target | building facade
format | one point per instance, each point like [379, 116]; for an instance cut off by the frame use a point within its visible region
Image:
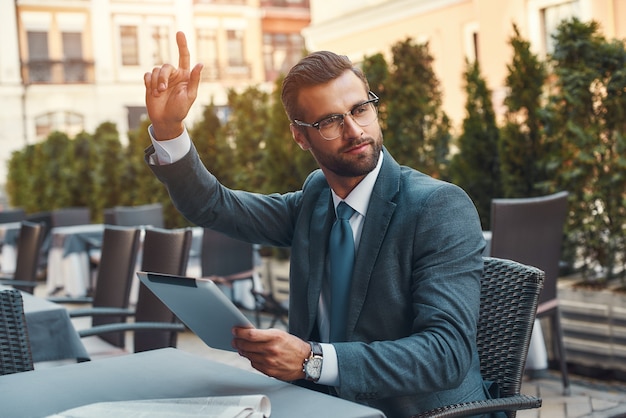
[455, 30]
[70, 65]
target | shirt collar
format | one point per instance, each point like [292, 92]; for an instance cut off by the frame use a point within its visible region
[359, 197]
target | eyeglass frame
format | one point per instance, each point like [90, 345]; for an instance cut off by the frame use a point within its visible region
[374, 101]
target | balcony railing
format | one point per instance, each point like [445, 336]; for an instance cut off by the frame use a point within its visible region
[225, 73]
[285, 3]
[58, 71]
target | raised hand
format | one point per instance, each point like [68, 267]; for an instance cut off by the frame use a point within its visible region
[170, 92]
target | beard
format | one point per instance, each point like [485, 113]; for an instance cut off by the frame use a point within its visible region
[346, 165]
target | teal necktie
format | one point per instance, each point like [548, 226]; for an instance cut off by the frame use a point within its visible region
[341, 247]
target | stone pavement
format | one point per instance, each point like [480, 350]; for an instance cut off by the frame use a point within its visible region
[589, 397]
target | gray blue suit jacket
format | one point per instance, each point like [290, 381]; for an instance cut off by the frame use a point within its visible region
[416, 284]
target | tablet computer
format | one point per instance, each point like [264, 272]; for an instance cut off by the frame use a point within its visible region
[200, 305]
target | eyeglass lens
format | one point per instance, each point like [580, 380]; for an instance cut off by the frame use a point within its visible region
[363, 115]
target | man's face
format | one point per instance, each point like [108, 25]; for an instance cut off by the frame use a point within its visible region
[356, 151]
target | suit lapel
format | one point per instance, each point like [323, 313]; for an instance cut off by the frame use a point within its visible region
[379, 213]
[321, 223]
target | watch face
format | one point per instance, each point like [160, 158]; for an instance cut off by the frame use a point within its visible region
[314, 367]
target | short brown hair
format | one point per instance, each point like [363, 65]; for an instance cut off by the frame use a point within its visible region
[314, 69]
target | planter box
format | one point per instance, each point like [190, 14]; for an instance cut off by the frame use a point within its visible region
[594, 327]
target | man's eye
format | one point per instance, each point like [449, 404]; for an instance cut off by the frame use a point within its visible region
[360, 109]
[330, 121]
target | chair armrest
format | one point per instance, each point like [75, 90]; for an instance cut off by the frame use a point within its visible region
[132, 326]
[511, 403]
[100, 311]
[70, 299]
[266, 300]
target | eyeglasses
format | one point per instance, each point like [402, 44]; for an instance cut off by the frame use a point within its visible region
[331, 127]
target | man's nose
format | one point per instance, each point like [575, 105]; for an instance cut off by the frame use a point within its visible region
[350, 127]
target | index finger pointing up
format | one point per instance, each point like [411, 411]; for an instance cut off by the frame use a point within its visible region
[183, 51]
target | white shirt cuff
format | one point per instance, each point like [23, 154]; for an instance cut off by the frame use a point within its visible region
[330, 369]
[170, 150]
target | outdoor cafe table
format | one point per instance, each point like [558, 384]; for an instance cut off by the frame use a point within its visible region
[159, 374]
[68, 258]
[8, 238]
[50, 331]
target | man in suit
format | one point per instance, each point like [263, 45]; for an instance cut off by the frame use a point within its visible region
[408, 341]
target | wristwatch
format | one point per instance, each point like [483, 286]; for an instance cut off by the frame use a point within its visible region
[312, 366]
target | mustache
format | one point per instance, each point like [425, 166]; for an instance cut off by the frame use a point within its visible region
[358, 143]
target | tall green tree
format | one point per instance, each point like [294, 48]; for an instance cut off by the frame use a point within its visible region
[417, 129]
[20, 179]
[206, 136]
[140, 185]
[245, 134]
[476, 166]
[108, 165]
[285, 165]
[54, 162]
[586, 120]
[523, 152]
[376, 70]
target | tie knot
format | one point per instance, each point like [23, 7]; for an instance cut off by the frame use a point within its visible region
[344, 211]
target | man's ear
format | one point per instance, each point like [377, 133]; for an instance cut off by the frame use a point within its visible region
[299, 137]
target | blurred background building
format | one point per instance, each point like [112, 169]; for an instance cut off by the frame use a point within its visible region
[70, 65]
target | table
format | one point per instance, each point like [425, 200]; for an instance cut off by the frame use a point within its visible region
[50, 331]
[164, 373]
[68, 258]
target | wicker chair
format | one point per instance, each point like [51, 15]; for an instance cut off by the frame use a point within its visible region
[509, 297]
[15, 354]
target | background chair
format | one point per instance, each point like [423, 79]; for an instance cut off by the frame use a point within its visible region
[116, 270]
[228, 262]
[150, 214]
[508, 302]
[71, 216]
[530, 231]
[12, 215]
[15, 353]
[274, 298]
[27, 261]
[155, 326]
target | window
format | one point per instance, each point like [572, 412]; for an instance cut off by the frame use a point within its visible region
[69, 122]
[234, 48]
[39, 65]
[207, 53]
[281, 51]
[160, 39]
[552, 16]
[74, 68]
[129, 45]
[136, 115]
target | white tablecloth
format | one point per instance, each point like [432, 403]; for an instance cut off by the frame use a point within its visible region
[8, 252]
[68, 259]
